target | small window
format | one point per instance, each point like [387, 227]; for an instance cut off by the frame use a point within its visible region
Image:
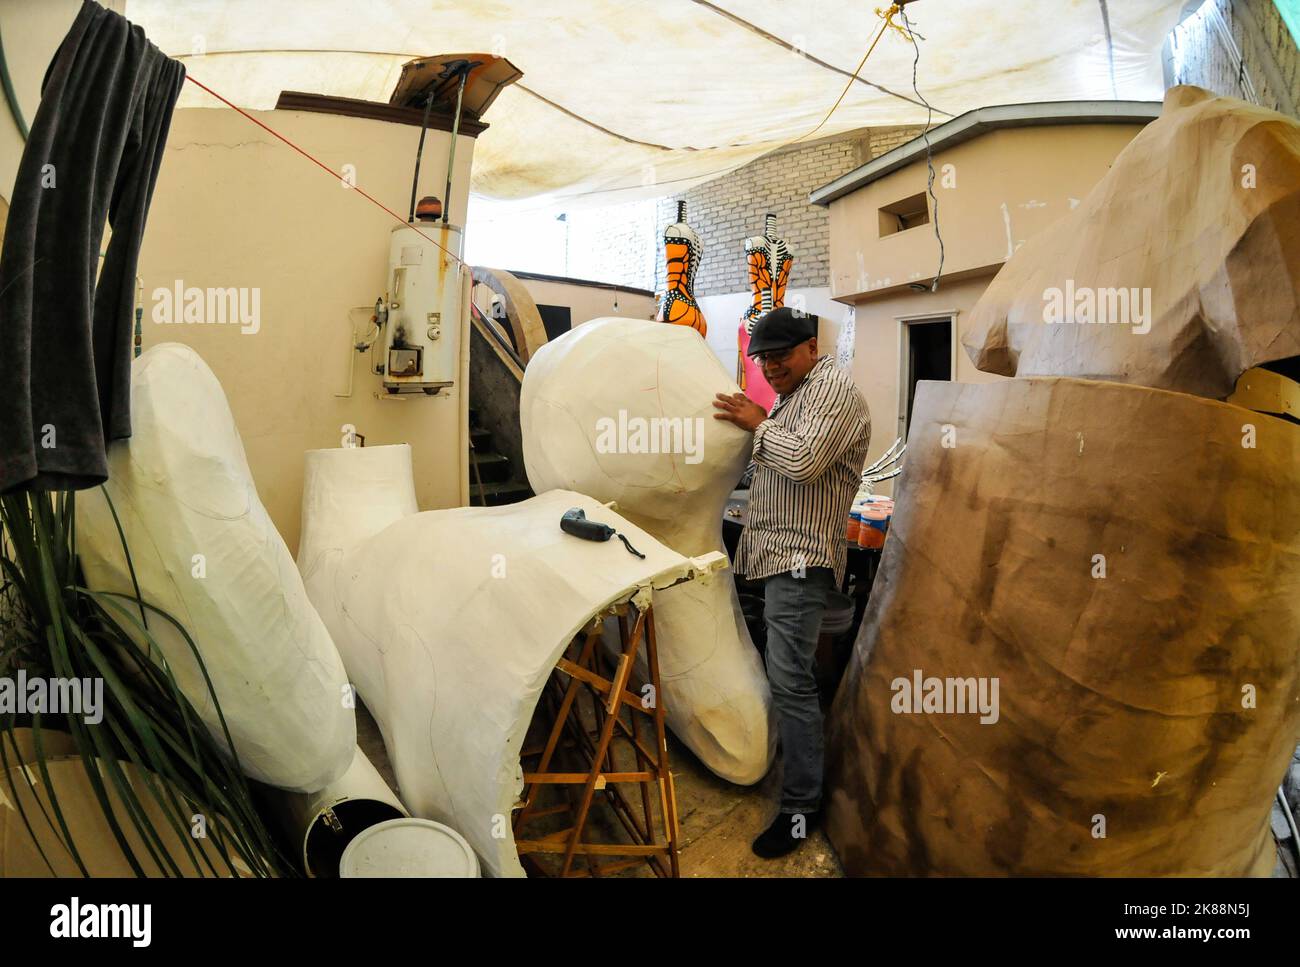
[905, 214]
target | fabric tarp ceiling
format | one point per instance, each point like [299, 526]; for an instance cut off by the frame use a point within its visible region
[635, 99]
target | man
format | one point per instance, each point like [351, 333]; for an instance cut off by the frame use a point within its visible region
[808, 457]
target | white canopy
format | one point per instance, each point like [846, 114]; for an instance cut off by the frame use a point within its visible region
[624, 99]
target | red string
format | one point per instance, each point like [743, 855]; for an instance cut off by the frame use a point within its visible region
[326, 168]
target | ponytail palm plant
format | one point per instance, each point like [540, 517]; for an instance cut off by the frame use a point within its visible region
[150, 755]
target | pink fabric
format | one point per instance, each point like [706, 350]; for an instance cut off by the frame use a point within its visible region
[756, 387]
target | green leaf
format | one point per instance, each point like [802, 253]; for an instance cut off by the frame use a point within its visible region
[152, 763]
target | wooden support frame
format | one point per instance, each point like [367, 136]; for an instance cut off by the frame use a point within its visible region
[616, 721]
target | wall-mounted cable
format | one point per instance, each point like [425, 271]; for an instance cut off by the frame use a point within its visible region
[929, 153]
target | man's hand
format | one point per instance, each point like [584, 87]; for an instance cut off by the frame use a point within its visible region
[739, 409]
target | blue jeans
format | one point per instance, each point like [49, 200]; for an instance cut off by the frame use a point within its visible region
[793, 614]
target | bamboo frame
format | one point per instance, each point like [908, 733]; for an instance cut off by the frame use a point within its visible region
[616, 713]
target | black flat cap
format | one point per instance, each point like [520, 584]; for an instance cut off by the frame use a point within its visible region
[781, 329]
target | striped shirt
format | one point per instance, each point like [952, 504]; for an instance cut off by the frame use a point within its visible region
[808, 457]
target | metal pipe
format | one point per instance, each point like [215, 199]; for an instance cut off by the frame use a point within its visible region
[419, 154]
[462, 419]
[1290, 821]
[455, 130]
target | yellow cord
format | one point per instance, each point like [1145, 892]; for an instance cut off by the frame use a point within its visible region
[888, 17]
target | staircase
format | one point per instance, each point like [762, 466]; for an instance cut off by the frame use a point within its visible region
[496, 374]
[493, 478]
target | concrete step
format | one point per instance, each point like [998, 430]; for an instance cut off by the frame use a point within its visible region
[496, 494]
[491, 467]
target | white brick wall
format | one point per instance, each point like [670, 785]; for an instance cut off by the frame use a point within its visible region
[623, 244]
[1200, 57]
[727, 209]
[618, 244]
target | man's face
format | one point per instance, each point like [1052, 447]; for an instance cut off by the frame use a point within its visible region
[784, 369]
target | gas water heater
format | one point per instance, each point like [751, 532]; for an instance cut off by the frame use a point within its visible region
[422, 338]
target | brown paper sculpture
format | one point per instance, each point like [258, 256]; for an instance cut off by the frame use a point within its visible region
[1081, 652]
[1181, 269]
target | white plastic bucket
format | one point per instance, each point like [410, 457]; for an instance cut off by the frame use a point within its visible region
[414, 848]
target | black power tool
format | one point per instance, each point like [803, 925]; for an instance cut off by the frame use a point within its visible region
[575, 522]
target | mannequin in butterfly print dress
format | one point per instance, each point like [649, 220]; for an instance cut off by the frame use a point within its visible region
[683, 250]
[769, 270]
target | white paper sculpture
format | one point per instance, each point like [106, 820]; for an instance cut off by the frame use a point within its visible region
[349, 495]
[451, 621]
[622, 410]
[205, 551]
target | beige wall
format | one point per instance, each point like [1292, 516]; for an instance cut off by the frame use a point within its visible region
[878, 344]
[32, 30]
[587, 302]
[1010, 184]
[235, 207]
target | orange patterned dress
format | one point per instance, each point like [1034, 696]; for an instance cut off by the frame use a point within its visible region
[682, 249]
[769, 261]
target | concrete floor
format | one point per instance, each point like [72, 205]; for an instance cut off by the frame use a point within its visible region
[717, 819]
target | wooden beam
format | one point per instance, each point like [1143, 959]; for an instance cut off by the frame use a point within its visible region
[352, 107]
[590, 849]
[567, 778]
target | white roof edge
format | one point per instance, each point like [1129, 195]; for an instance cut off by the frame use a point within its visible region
[981, 121]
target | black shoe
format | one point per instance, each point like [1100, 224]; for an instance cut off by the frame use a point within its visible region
[786, 834]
